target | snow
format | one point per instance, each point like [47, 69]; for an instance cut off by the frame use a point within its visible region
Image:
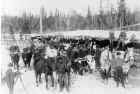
[92, 33]
[95, 33]
[87, 84]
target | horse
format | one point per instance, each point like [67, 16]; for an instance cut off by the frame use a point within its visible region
[50, 65]
[117, 69]
[63, 68]
[120, 73]
[119, 76]
[129, 63]
[15, 56]
[38, 59]
[27, 56]
[120, 67]
[50, 70]
[44, 62]
[39, 66]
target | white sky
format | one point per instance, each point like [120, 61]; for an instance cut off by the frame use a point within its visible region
[17, 7]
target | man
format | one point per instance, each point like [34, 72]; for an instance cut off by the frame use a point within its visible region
[94, 48]
[111, 38]
[130, 53]
[11, 78]
[106, 57]
[121, 40]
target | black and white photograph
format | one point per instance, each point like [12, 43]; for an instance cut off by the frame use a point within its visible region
[70, 47]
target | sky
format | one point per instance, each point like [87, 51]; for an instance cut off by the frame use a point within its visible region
[17, 7]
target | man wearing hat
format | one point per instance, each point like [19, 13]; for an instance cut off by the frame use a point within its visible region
[11, 78]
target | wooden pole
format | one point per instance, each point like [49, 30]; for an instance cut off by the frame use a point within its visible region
[41, 14]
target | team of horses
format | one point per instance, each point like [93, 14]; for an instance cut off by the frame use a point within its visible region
[57, 59]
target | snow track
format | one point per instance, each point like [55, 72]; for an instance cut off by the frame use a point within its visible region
[87, 84]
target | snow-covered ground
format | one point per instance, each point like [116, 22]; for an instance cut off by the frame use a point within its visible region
[91, 33]
[87, 84]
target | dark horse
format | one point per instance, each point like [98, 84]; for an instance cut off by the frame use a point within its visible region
[43, 65]
[63, 66]
[39, 63]
[49, 70]
[27, 55]
[15, 56]
[119, 76]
